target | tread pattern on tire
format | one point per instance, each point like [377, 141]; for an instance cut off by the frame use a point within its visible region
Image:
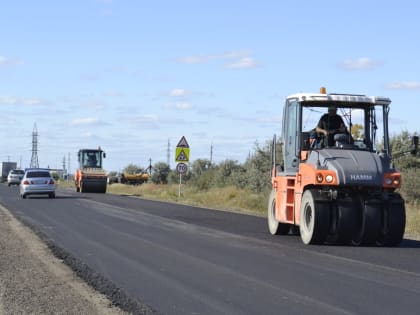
[394, 220]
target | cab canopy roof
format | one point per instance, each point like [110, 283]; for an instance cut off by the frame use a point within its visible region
[346, 99]
[91, 150]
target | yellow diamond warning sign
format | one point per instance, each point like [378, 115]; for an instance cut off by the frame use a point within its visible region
[182, 154]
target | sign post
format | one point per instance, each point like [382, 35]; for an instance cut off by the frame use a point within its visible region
[182, 157]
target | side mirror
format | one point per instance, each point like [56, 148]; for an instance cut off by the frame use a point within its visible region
[104, 155]
[414, 145]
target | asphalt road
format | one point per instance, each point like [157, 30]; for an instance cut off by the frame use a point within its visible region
[187, 260]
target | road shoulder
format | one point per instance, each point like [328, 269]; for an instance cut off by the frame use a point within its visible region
[34, 281]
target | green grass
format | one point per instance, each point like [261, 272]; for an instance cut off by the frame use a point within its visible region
[413, 219]
[228, 198]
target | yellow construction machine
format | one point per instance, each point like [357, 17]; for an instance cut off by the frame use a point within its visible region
[136, 178]
[90, 177]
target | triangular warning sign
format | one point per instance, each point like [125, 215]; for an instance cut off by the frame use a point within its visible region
[183, 143]
[182, 156]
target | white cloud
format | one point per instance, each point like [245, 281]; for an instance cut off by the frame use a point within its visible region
[193, 59]
[243, 63]
[178, 92]
[11, 100]
[32, 101]
[148, 118]
[183, 106]
[84, 121]
[413, 85]
[179, 106]
[86, 135]
[363, 63]
[94, 104]
[242, 57]
[8, 100]
[9, 62]
[142, 119]
[234, 54]
[113, 93]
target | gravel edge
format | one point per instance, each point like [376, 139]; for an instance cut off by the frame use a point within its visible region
[37, 276]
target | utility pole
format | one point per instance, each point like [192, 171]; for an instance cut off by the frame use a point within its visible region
[68, 167]
[211, 153]
[168, 160]
[64, 165]
[150, 166]
[34, 158]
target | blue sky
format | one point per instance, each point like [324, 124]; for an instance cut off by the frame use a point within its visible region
[130, 76]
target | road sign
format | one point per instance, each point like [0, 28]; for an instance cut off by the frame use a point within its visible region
[182, 143]
[182, 154]
[182, 151]
[181, 168]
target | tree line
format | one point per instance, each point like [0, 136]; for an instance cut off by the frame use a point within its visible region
[255, 173]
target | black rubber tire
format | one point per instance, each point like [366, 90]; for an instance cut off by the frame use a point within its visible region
[51, 195]
[393, 222]
[343, 222]
[23, 196]
[314, 219]
[368, 226]
[275, 227]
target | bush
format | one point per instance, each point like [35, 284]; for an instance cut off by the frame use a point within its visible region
[203, 181]
[132, 169]
[410, 189]
[258, 169]
[160, 173]
[224, 173]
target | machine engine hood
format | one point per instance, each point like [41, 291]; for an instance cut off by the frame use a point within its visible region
[354, 167]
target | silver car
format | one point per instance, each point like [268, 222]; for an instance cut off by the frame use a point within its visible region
[15, 176]
[37, 182]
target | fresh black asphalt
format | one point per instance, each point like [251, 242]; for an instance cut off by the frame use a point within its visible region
[155, 257]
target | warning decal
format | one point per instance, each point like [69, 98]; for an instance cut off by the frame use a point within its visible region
[182, 155]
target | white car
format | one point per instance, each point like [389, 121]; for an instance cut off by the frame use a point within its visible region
[37, 182]
[15, 176]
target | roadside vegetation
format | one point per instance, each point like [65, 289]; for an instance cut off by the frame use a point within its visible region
[228, 198]
[409, 166]
[245, 187]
